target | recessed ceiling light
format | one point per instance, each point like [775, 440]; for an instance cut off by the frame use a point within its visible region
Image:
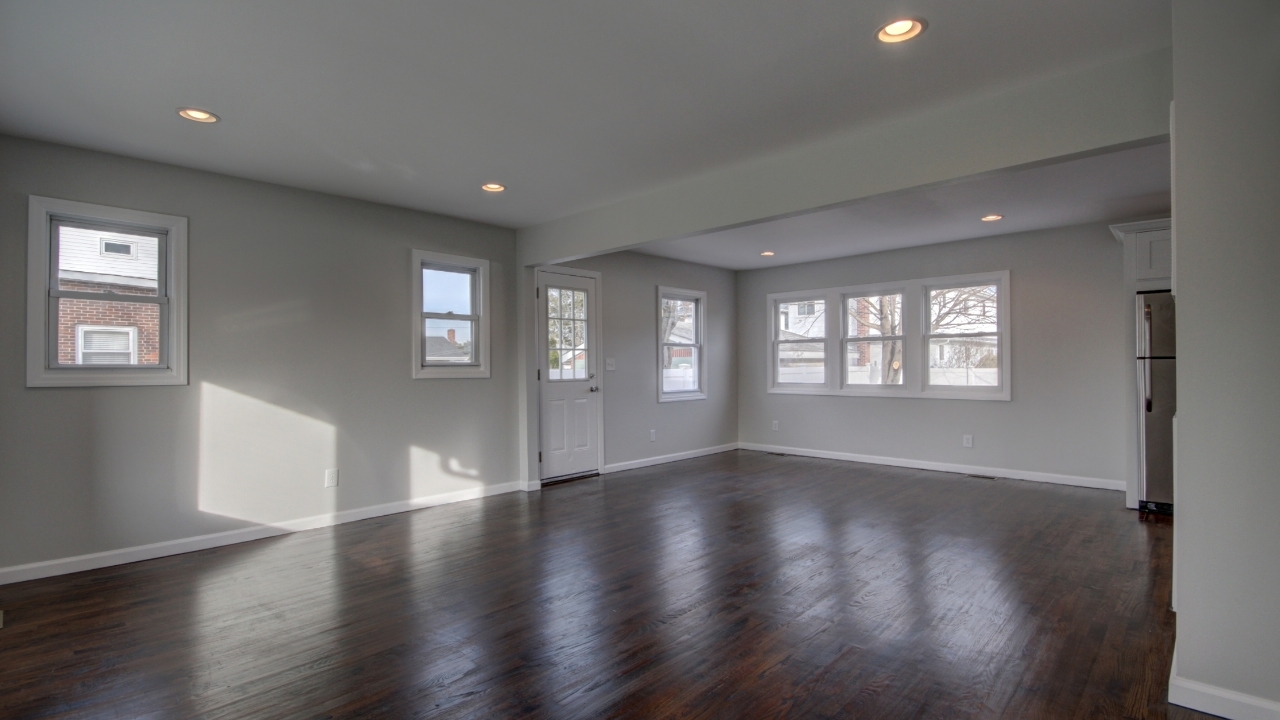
[493, 187]
[203, 116]
[992, 218]
[899, 30]
[767, 253]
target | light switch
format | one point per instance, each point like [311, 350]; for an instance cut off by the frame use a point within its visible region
[609, 365]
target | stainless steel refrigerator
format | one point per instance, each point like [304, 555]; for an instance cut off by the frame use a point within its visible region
[1157, 399]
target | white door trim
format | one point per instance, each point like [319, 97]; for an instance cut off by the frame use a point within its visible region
[596, 306]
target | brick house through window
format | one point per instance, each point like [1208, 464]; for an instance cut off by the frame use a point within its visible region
[92, 260]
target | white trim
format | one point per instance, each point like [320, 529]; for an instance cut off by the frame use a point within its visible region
[699, 344]
[1217, 700]
[1032, 475]
[41, 211]
[915, 342]
[663, 459]
[64, 566]
[480, 369]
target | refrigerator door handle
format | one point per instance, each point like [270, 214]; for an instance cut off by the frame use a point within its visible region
[1146, 382]
[1146, 320]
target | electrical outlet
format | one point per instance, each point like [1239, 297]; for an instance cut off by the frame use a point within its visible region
[775, 424]
[653, 436]
[967, 440]
[609, 364]
[331, 477]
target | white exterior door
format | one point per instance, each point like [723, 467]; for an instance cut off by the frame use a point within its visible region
[569, 389]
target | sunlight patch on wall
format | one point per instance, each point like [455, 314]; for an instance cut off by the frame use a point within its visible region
[260, 462]
[431, 475]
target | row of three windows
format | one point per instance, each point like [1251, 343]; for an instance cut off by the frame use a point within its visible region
[942, 337]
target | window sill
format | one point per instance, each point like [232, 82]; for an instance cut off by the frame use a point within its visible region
[681, 397]
[444, 372]
[115, 377]
[997, 394]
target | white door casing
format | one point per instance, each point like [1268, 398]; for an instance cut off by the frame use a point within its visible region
[568, 373]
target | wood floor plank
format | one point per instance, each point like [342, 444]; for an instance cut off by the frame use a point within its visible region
[737, 585]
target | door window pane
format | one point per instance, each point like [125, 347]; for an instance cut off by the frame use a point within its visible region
[447, 341]
[963, 310]
[876, 315]
[802, 319]
[567, 334]
[679, 369]
[802, 362]
[105, 261]
[971, 361]
[874, 362]
[447, 291]
[77, 317]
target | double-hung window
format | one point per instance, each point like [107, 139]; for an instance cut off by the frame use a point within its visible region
[106, 296]
[451, 325]
[937, 337]
[682, 362]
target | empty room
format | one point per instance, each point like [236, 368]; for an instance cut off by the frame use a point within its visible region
[639, 360]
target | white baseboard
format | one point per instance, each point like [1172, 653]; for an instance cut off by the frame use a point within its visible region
[1218, 701]
[1077, 481]
[63, 566]
[661, 459]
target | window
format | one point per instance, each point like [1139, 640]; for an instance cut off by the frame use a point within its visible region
[567, 333]
[939, 337]
[964, 337]
[106, 296]
[106, 345]
[682, 362]
[800, 360]
[873, 340]
[450, 324]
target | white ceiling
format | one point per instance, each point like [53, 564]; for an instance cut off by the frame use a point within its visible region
[1116, 186]
[570, 103]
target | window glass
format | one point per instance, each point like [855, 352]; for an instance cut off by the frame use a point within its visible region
[679, 321]
[77, 314]
[972, 361]
[873, 362]
[963, 310]
[876, 315]
[446, 291]
[106, 345]
[802, 362]
[104, 261]
[679, 369]
[802, 319]
[447, 341]
[567, 334]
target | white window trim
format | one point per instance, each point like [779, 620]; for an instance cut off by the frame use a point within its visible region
[700, 297]
[914, 344]
[478, 369]
[133, 339]
[42, 371]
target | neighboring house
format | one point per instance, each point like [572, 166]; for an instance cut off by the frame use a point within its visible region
[438, 349]
[102, 331]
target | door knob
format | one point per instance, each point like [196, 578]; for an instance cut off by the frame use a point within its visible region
[593, 388]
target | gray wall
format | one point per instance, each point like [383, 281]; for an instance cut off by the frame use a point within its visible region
[300, 356]
[1227, 493]
[631, 407]
[1072, 411]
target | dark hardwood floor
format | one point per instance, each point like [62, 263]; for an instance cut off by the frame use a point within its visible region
[741, 585]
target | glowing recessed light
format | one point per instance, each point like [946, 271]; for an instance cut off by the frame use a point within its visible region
[493, 187]
[767, 253]
[900, 30]
[992, 218]
[203, 116]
